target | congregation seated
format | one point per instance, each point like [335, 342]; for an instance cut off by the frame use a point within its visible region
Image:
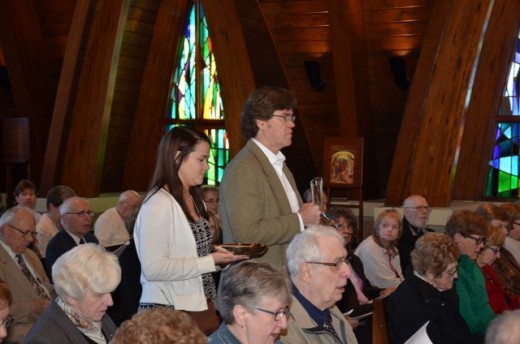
[5, 302]
[49, 224]
[254, 304]
[83, 278]
[76, 221]
[115, 225]
[22, 270]
[379, 253]
[316, 262]
[358, 292]
[427, 295]
[499, 300]
[161, 325]
[469, 232]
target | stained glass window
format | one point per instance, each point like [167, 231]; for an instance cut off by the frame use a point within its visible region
[502, 177]
[195, 95]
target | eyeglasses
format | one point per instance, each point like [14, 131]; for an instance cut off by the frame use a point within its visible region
[83, 213]
[288, 118]
[451, 273]
[8, 321]
[495, 249]
[336, 264]
[277, 315]
[420, 208]
[478, 241]
[27, 234]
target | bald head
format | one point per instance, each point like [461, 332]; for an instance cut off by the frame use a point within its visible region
[18, 228]
[128, 204]
[416, 210]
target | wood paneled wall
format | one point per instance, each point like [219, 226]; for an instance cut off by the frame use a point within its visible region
[94, 78]
[441, 125]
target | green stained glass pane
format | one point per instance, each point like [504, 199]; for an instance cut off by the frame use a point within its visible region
[184, 80]
[503, 173]
[195, 95]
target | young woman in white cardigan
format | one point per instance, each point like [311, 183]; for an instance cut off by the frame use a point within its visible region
[172, 234]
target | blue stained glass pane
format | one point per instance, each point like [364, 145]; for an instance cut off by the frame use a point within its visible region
[195, 94]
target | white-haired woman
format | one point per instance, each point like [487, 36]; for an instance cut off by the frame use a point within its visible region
[83, 278]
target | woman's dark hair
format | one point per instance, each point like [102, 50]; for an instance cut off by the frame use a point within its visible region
[466, 222]
[23, 185]
[174, 147]
[490, 212]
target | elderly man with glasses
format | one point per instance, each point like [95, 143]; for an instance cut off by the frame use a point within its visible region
[76, 222]
[416, 215]
[22, 271]
[316, 261]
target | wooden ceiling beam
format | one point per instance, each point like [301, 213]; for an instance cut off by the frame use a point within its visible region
[86, 142]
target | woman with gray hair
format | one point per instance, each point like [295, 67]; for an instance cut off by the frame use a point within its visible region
[83, 279]
[254, 303]
[427, 295]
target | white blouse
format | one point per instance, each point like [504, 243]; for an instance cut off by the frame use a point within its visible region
[381, 270]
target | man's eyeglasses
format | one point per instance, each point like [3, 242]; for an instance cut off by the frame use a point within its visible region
[8, 321]
[478, 241]
[336, 264]
[277, 315]
[82, 213]
[27, 234]
[288, 118]
[420, 208]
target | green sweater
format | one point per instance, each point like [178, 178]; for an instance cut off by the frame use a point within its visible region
[473, 299]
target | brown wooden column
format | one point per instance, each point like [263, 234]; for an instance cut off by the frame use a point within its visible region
[85, 145]
[434, 121]
[488, 90]
[65, 94]
[149, 120]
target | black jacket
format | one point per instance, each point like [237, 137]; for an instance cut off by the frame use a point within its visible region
[415, 302]
[406, 243]
[349, 299]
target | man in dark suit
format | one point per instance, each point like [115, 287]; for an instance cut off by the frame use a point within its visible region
[76, 221]
[22, 270]
[416, 216]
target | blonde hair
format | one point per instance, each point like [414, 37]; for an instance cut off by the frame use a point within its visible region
[161, 325]
[433, 253]
[495, 237]
[393, 213]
